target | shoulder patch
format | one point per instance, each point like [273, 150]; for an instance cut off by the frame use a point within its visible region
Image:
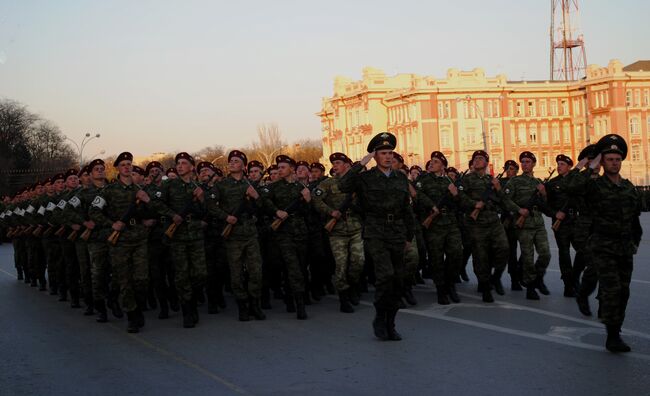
[318, 192]
[99, 202]
[61, 204]
[461, 188]
[158, 194]
[507, 191]
[418, 184]
[41, 210]
[50, 206]
[30, 209]
[74, 201]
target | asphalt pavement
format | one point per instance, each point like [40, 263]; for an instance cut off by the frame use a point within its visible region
[513, 346]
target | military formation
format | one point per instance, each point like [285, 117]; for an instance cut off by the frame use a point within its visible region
[181, 239]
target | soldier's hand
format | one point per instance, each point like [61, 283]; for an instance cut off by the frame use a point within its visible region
[524, 212]
[89, 224]
[75, 227]
[364, 161]
[149, 222]
[177, 219]
[581, 164]
[336, 214]
[198, 193]
[479, 205]
[118, 226]
[231, 220]
[251, 192]
[281, 214]
[435, 211]
[306, 194]
[142, 196]
[560, 215]
[452, 189]
[496, 184]
[541, 189]
[595, 163]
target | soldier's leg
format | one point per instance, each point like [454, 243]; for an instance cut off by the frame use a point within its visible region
[341, 251]
[235, 251]
[81, 247]
[614, 275]
[72, 272]
[514, 268]
[290, 253]
[498, 254]
[211, 280]
[563, 240]
[100, 274]
[480, 255]
[356, 259]
[182, 282]
[157, 275]
[526, 238]
[454, 259]
[543, 257]
[253, 260]
[316, 265]
[435, 242]
[41, 264]
[411, 260]
[139, 276]
[197, 265]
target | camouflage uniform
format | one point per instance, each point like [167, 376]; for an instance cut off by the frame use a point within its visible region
[70, 267]
[53, 248]
[35, 254]
[514, 265]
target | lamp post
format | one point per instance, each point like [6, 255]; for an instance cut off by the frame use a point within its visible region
[468, 99]
[84, 141]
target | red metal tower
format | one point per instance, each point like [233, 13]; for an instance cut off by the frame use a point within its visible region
[568, 57]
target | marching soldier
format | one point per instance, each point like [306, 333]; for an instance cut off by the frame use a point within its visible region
[385, 200]
[511, 168]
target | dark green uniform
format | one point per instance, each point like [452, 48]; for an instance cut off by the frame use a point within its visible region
[514, 265]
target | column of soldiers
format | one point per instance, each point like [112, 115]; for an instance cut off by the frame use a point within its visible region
[167, 239]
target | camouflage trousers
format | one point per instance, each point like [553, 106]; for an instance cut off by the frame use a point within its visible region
[36, 259]
[444, 242]
[584, 264]
[565, 237]
[130, 265]
[188, 257]
[531, 239]
[100, 270]
[411, 261]
[294, 256]
[489, 249]
[161, 273]
[245, 261]
[614, 277]
[388, 260]
[70, 268]
[514, 266]
[54, 259]
[348, 258]
[85, 273]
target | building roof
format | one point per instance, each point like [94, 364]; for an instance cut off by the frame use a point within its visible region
[642, 65]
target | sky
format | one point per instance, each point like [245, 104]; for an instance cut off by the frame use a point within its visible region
[168, 76]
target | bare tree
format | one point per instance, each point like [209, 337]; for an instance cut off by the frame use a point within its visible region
[268, 145]
[48, 146]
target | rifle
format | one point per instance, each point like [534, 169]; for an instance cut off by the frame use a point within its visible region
[10, 232]
[115, 235]
[27, 231]
[228, 228]
[86, 234]
[426, 223]
[73, 236]
[485, 196]
[520, 221]
[173, 226]
[278, 221]
[345, 205]
[38, 231]
[60, 231]
[48, 231]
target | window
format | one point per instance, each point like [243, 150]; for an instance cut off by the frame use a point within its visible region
[520, 110]
[466, 109]
[553, 107]
[556, 133]
[542, 108]
[565, 108]
[646, 97]
[578, 131]
[447, 110]
[511, 108]
[532, 134]
[566, 133]
[522, 134]
[544, 159]
[471, 136]
[441, 110]
[596, 99]
[636, 153]
[628, 98]
[495, 135]
[472, 109]
[597, 127]
[531, 109]
[604, 129]
[637, 97]
[444, 138]
[544, 133]
[634, 126]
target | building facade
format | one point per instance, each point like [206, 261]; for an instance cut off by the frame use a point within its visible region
[468, 110]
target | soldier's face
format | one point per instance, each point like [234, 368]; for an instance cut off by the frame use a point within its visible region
[527, 165]
[479, 163]
[40, 190]
[124, 168]
[49, 188]
[285, 170]
[611, 163]
[316, 174]
[98, 172]
[72, 182]
[184, 167]
[59, 185]
[155, 173]
[274, 175]
[563, 168]
[340, 167]
[235, 165]
[137, 178]
[255, 173]
[396, 165]
[384, 159]
[302, 172]
[414, 174]
[511, 171]
[436, 165]
[85, 179]
[205, 174]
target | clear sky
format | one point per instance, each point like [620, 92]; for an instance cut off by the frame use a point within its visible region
[181, 75]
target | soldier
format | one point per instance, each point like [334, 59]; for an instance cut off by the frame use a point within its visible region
[288, 200]
[480, 198]
[117, 207]
[273, 172]
[438, 197]
[171, 173]
[36, 253]
[616, 234]
[511, 168]
[314, 268]
[181, 200]
[345, 238]
[385, 200]
[234, 202]
[54, 251]
[566, 212]
[526, 199]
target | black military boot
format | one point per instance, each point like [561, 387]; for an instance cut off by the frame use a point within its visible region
[583, 304]
[199, 297]
[164, 308]
[531, 294]
[115, 307]
[569, 287]
[255, 309]
[453, 295]
[188, 319]
[289, 302]
[515, 285]
[301, 313]
[344, 302]
[380, 324]
[409, 297]
[132, 322]
[495, 280]
[354, 296]
[90, 310]
[486, 293]
[441, 291]
[243, 310]
[539, 284]
[54, 289]
[194, 309]
[43, 284]
[463, 274]
[74, 299]
[614, 341]
[102, 315]
[393, 335]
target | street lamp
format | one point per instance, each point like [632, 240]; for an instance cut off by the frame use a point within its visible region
[84, 141]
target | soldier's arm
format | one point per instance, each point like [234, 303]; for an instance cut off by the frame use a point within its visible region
[348, 182]
[97, 210]
[467, 204]
[320, 195]
[509, 194]
[268, 206]
[158, 202]
[576, 180]
[212, 203]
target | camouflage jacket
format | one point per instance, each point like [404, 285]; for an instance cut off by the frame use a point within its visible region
[286, 196]
[385, 202]
[432, 191]
[176, 198]
[472, 189]
[560, 199]
[328, 197]
[616, 209]
[576, 184]
[112, 204]
[150, 213]
[521, 192]
[228, 198]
